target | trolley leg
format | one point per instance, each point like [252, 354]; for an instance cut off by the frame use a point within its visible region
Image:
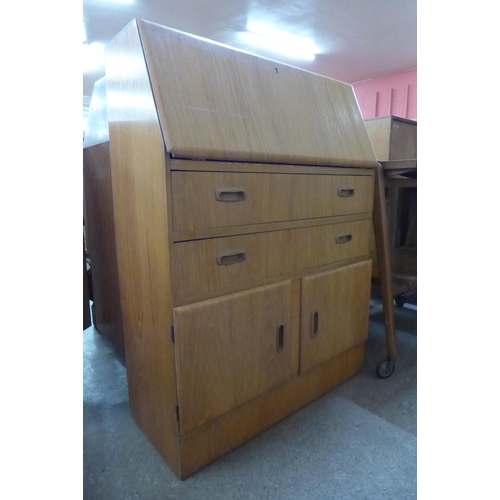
[386, 368]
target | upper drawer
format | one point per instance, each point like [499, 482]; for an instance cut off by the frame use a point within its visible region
[204, 200]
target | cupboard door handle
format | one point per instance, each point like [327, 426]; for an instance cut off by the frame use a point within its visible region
[314, 323]
[343, 238]
[346, 191]
[230, 194]
[280, 337]
[231, 257]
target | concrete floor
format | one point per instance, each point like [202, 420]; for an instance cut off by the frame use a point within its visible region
[356, 442]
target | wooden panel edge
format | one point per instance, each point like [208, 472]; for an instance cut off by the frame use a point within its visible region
[201, 234]
[138, 173]
[188, 164]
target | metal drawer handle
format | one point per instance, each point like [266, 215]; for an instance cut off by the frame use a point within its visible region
[346, 191]
[314, 323]
[231, 257]
[230, 194]
[280, 337]
[343, 238]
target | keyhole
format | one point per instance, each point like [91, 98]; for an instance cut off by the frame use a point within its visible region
[276, 69]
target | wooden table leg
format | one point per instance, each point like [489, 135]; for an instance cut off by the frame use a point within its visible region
[386, 368]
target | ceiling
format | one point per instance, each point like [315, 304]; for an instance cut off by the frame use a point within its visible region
[352, 40]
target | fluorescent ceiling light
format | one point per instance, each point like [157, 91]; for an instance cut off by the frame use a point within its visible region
[122, 2]
[270, 38]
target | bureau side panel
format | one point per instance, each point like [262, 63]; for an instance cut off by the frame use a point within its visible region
[140, 206]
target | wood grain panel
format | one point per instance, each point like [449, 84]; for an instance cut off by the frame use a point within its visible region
[311, 247]
[140, 206]
[340, 299]
[226, 351]
[100, 231]
[403, 140]
[263, 198]
[197, 271]
[267, 255]
[215, 102]
[219, 436]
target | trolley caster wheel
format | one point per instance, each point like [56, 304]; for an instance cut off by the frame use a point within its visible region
[386, 368]
[400, 300]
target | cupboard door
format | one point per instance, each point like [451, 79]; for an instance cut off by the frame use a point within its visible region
[334, 314]
[229, 350]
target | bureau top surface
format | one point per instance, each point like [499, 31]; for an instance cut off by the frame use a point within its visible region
[215, 102]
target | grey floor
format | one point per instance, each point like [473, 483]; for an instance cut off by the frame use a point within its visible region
[357, 441]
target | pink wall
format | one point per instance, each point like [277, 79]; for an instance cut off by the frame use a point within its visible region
[388, 95]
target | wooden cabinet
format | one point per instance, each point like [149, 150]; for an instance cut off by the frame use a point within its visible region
[393, 137]
[242, 195]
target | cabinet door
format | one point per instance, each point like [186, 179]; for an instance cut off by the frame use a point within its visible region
[335, 307]
[229, 350]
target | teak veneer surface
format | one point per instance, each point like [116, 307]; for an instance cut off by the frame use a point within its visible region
[340, 299]
[226, 351]
[270, 254]
[218, 103]
[264, 198]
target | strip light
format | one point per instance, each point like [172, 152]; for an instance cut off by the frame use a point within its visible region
[268, 37]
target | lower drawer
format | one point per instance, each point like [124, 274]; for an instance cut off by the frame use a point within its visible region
[206, 266]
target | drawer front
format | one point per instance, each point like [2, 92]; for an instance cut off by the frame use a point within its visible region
[206, 266]
[229, 350]
[334, 315]
[205, 200]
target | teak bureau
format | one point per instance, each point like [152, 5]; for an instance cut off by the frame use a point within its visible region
[242, 197]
